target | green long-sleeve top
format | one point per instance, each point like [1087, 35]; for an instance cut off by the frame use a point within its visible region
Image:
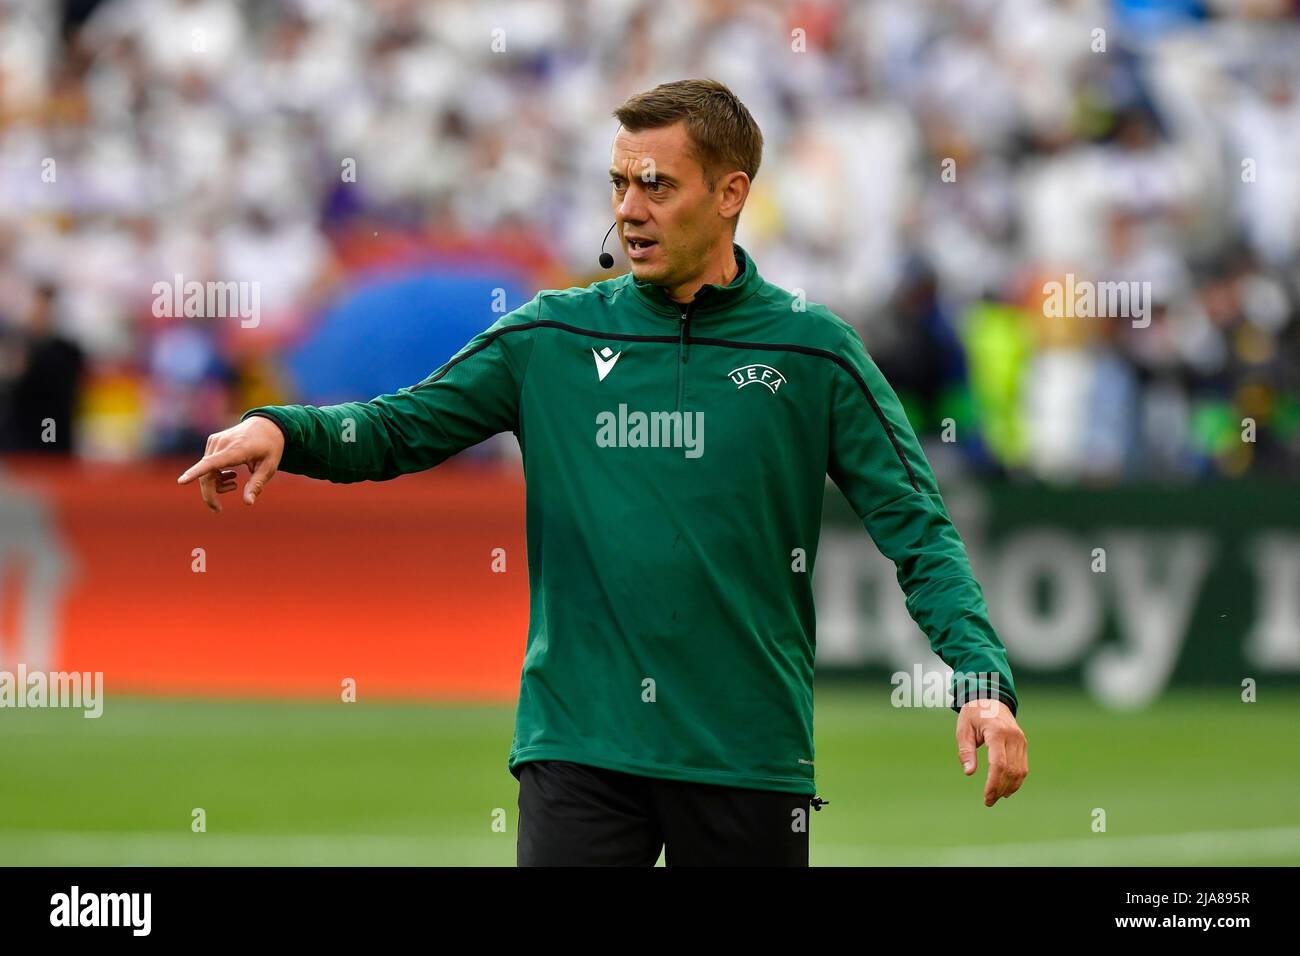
[676, 465]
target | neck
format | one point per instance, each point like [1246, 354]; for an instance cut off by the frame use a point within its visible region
[719, 269]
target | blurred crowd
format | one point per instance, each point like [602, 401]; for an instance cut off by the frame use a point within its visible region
[930, 168]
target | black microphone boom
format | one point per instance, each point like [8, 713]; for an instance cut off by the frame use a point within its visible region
[606, 260]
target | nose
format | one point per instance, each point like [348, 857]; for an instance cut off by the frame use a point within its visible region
[632, 208]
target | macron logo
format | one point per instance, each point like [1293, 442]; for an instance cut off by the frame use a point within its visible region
[604, 363]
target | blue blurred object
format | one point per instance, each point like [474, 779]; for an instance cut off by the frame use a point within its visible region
[393, 330]
[1150, 19]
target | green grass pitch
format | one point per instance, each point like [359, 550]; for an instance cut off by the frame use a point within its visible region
[1199, 778]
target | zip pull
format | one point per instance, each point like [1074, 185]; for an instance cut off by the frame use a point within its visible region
[818, 803]
[686, 338]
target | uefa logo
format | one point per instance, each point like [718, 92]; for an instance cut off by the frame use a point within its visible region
[761, 374]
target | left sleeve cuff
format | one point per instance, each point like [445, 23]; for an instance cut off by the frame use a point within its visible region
[963, 696]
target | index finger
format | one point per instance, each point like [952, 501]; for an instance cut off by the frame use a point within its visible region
[210, 463]
[998, 782]
[1016, 764]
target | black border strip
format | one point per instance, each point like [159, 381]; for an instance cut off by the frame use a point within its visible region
[693, 340]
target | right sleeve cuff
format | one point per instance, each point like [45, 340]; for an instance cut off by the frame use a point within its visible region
[263, 413]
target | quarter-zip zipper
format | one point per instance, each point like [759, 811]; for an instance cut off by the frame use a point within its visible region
[683, 350]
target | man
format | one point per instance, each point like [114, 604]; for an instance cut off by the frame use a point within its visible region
[677, 425]
[42, 392]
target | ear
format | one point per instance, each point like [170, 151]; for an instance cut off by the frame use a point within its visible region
[733, 190]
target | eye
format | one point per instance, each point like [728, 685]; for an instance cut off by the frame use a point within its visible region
[655, 186]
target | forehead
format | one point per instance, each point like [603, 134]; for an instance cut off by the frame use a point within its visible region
[668, 146]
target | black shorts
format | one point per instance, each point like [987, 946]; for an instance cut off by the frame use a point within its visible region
[571, 814]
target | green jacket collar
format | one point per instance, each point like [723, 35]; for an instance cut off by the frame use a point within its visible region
[710, 297]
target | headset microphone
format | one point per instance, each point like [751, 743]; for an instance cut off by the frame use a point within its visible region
[606, 260]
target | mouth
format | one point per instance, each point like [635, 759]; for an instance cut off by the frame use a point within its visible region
[640, 248]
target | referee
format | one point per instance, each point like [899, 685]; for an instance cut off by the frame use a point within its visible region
[677, 425]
